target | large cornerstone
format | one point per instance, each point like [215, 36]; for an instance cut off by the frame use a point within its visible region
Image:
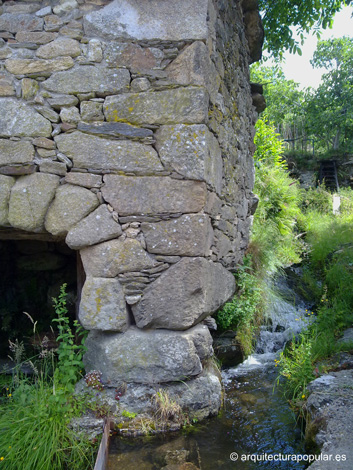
[126, 129]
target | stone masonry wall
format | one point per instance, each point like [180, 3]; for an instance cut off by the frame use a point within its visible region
[126, 128]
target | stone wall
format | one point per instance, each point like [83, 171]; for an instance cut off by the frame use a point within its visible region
[126, 129]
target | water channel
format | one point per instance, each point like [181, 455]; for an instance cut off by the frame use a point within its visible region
[256, 419]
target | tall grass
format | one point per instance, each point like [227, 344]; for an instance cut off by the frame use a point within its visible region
[36, 410]
[35, 432]
[329, 269]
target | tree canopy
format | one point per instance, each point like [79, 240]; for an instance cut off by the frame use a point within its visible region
[324, 114]
[280, 17]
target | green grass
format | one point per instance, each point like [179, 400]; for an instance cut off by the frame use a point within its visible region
[35, 432]
[328, 276]
[36, 411]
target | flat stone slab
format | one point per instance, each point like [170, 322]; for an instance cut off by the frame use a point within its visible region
[87, 78]
[102, 305]
[149, 19]
[184, 295]
[146, 356]
[30, 199]
[114, 257]
[90, 151]
[153, 195]
[12, 152]
[6, 183]
[116, 129]
[19, 119]
[192, 151]
[87, 180]
[71, 204]
[188, 235]
[37, 37]
[37, 66]
[180, 105]
[97, 227]
[14, 22]
[60, 47]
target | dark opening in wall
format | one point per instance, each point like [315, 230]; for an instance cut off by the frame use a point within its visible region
[32, 272]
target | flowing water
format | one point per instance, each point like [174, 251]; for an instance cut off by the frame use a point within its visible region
[255, 420]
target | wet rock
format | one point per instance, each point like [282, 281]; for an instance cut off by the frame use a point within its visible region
[30, 199]
[182, 105]
[153, 195]
[71, 204]
[97, 227]
[183, 296]
[89, 151]
[102, 305]
[227, 349]
[110, 258]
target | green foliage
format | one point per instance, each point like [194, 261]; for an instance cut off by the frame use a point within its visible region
[284, 100]
[273, 234]
[70, 354]
[128, 414]
[317, 199]
[273, 241]
[328, 275]
[35, 417]
[281, 16]
[241, 311]
[329, 108]
[296, 366]
[35, 432]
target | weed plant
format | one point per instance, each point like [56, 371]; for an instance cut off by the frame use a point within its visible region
[36, 411]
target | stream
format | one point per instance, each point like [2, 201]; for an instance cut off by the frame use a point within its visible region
[256, 419]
